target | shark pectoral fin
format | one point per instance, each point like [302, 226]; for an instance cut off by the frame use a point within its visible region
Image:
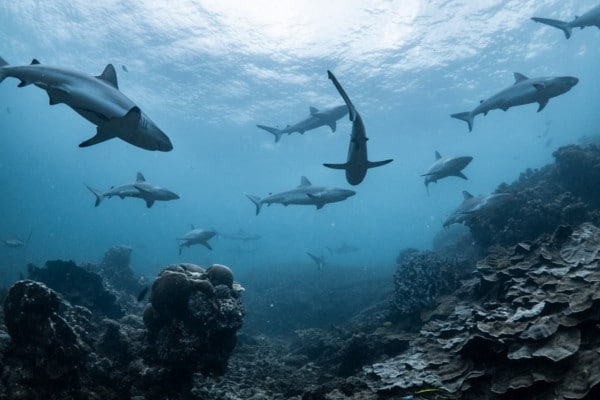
[56, 95]
[102, 135]
[149, 202]
[207, 245]
[333, 126]
[23, 83]
[542, 104]
[461, 175]
[373, 164]
[336, 166]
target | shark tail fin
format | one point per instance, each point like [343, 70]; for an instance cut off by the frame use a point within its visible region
[256, 201]
[563, 26]
[465, 116]
[373, 164]
[274, 131]
[98, 194]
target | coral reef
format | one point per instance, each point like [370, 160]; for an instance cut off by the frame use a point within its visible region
[78, 285]
[566, 192]
[526, 326]
[423, 276]
[192, 318]
[116, 270]
[44, 351]
[58, 350]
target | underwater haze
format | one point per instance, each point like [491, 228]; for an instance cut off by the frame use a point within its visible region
[207, 72]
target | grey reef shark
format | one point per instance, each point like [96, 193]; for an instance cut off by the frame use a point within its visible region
[344, 248]
[473, 206]
[590, 18]
[317, 118]
[15, 243]
[95, 98]
[524, 91]
[444, 167]
[357, 162]
[196, 236]
[305, 194]
[140, 189]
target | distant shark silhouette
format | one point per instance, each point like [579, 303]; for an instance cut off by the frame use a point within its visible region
[15, 243]
[590, 18]
[357, 162]
[141, 189]
[444, 167]
[95, 98]
[317, 118]
[305, 194]
[473, 206]
[523, 91]
[196, 236]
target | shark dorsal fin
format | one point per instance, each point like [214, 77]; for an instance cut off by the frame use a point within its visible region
[437, 155]
[109, 75]
[304, 182]
[34, 62]
[140, 178]
[520, 77]
[192, 226]
[313, 110]
[467, 195]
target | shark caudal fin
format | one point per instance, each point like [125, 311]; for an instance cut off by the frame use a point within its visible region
[3, 63]
[465, 116]
[255, 200]
[274, 131]
[563, 26]
[373, 164]
[98, 194]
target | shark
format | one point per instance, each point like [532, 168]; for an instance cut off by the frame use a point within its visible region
[97, 99]
[305, 194]
[590, 18]
[15, 243]
[473, 206]
[344, 248]
[196, 236]
[140, 189]
[357, 162]
[316, 119]
[444, 167]
[524, 91]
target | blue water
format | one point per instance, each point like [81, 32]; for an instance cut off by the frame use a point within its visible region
[208, 72]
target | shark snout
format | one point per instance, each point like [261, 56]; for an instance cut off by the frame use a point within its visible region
[348, 193]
